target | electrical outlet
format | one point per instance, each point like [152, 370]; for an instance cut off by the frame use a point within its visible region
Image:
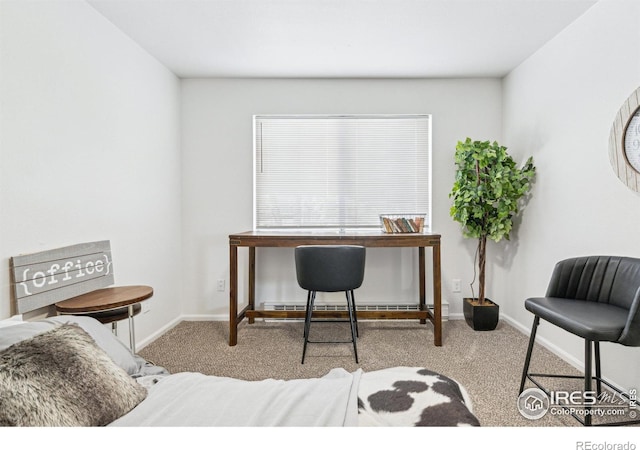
[221, 285]
[456, 285]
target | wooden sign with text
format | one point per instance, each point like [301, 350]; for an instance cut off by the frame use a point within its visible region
[44, 278]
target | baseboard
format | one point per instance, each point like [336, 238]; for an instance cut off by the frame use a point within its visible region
[148, 340]
[545, 343]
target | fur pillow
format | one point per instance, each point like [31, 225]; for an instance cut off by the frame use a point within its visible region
[62, 378]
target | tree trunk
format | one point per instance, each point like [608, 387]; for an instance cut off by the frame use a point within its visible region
[482, 258]
[482, 247]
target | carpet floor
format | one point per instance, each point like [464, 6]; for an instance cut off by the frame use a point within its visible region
[489, 364]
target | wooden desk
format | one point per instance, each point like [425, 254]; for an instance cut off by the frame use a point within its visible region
[253, 239]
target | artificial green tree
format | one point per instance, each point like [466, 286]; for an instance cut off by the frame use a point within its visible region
[487, 194]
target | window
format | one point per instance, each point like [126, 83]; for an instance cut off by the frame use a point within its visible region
[329, 171]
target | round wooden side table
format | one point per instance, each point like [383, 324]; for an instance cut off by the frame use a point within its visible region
[109, 305]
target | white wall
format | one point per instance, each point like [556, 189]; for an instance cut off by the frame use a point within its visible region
[90, 129]
[217, 177]
[90, 149]
[559, 106]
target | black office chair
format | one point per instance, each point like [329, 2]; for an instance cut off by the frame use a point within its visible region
[330, 268]
[598, 299]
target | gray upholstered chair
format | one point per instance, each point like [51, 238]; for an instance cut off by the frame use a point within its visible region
[330, 268]
[596, 298]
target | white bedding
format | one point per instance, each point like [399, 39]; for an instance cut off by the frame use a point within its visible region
[396, 396]
[194, 399]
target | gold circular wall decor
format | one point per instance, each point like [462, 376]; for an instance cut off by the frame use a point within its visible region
[624, 142]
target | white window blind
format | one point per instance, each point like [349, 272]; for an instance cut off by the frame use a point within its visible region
[327, 171]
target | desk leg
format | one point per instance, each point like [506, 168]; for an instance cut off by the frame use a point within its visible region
[421, 277]
[252, 281]
[437, 296]
[233, 295]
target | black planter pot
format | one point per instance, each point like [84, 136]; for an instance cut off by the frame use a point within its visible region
[481, 317]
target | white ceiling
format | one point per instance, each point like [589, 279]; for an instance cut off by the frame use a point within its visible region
[341, 38]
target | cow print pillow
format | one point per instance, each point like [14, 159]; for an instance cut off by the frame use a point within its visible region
[401, 395]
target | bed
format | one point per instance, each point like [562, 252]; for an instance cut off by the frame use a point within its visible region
[72, 371]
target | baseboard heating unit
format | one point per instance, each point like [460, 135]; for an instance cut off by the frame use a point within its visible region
[268, 306]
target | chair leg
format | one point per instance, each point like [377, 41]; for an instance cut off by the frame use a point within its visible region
[307, 322]
[355, 314]
[587, 379]
[591, 351]
[351, 308]
[307, 313]
[596, 348]
[527, 361]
